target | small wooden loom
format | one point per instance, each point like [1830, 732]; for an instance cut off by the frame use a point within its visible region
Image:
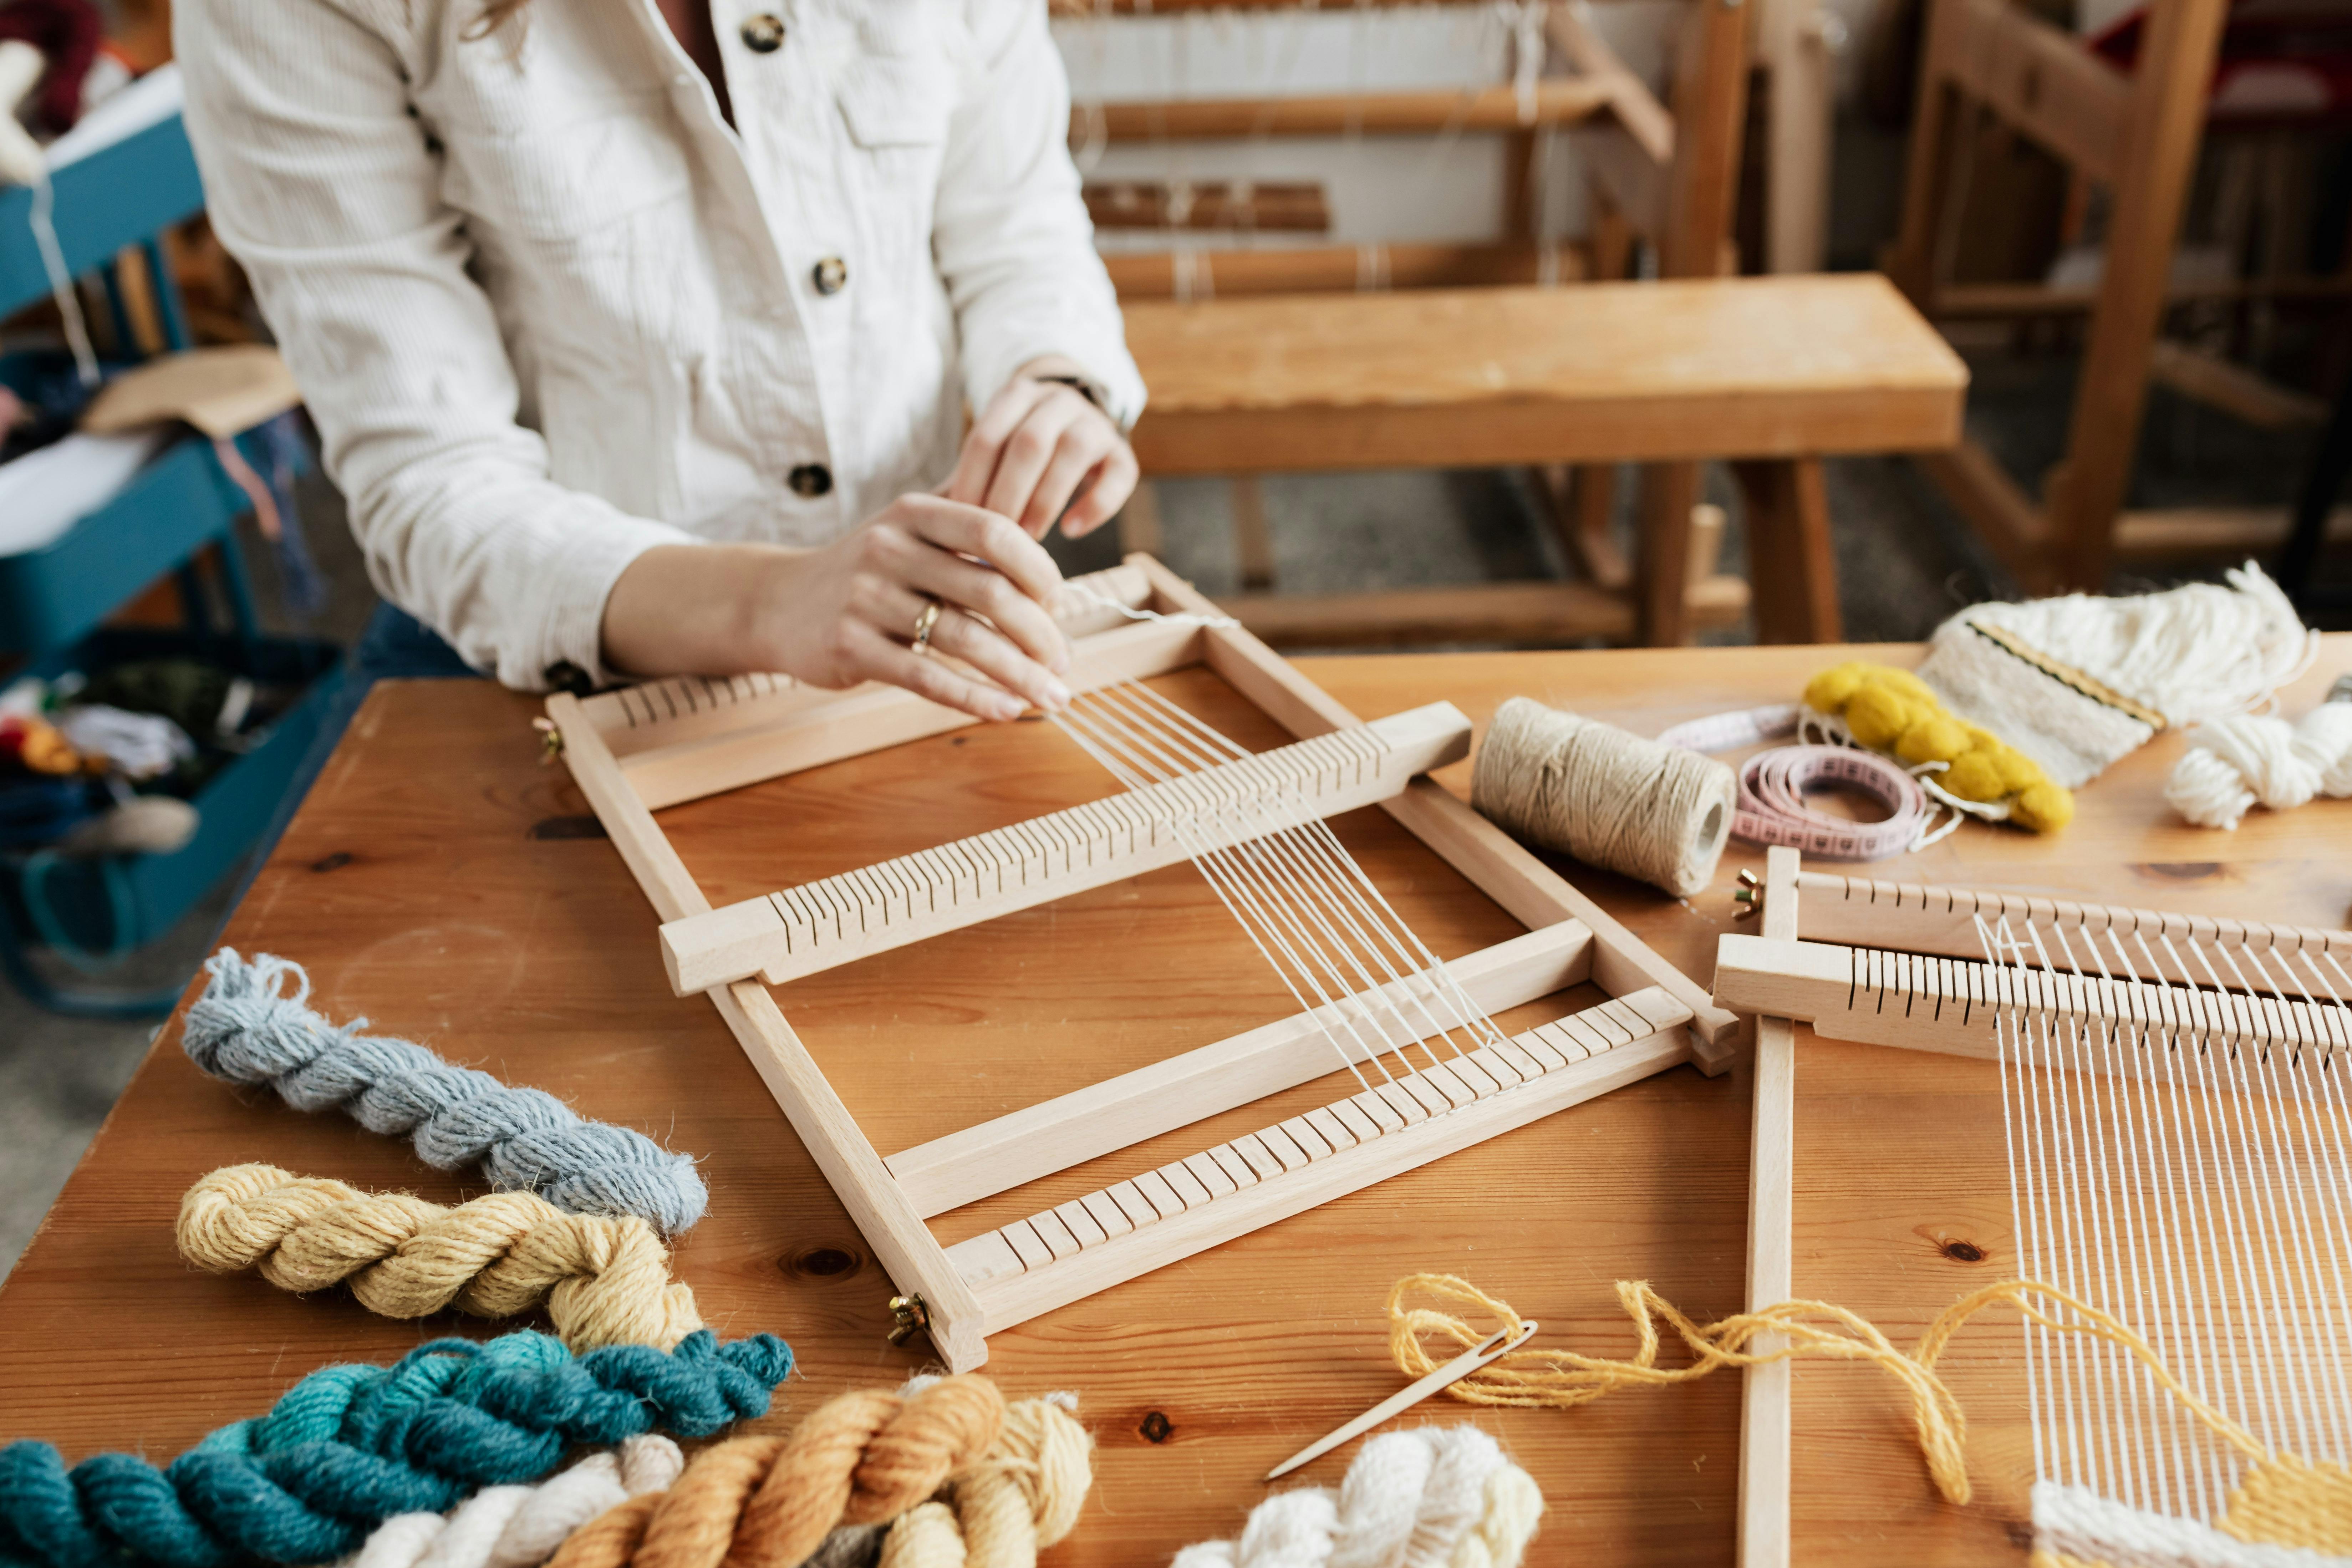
[2179, 1142]
[636, 751]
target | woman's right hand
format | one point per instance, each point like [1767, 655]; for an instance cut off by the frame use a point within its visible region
[849, 611]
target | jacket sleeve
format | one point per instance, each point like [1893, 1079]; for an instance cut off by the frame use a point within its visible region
[323, 185]
[1011, 231]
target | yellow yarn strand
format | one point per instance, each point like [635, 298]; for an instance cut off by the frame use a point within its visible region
[605, 1280]
[1816, 1330]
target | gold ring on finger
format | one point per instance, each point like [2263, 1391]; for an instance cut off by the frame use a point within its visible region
[924, 624]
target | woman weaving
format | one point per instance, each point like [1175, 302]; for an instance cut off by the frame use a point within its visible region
[640, 340]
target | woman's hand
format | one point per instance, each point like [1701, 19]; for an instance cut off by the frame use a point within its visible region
[1040, 447]
[851, 611]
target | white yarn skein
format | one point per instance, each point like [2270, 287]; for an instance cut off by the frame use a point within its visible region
[1436, 1497]
[521, 1527]
[2192, 653]
[2235, 763]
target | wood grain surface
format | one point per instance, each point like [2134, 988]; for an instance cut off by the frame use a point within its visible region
[1710, 367]
[441, 883]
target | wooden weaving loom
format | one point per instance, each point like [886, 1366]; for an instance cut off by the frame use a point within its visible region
[2178, 1132]
[1255, 826]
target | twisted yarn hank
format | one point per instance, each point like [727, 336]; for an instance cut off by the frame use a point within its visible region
[1024, 1495]
[1606, 796]
[769, 1502]
[252, 1026]
[605, 1280]
[521, 1527]
[2236, 763]
[1436, 1497]
[348, 1447]
[1014, 1480]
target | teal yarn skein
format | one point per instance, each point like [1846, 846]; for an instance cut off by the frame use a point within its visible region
[350, 1446]
[253, 1025]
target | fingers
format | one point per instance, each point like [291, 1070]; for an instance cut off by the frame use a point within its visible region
[1016, 596]
[1082, 447]
[880, 659]
[1105, 490]
[954, 581]
[897, 611]
[976, 464]
[1028, 451]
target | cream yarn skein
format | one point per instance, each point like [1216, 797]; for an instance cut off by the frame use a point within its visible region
[1433, 1497]
[1607, 797]
[2235, 763]
[521, 1526]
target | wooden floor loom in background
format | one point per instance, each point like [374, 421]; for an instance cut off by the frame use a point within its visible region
[1367, 988]
[2179, 1145]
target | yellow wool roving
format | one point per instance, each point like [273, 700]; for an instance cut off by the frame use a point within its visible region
[1893, 711]
[605, 1280]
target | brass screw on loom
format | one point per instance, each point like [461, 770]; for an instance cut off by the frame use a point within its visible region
[1748, 896]
[908, 1315]
[550, 740]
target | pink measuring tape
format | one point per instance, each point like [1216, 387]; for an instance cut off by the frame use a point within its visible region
[1772, 785]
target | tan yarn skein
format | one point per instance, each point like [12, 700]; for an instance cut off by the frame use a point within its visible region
[769, 1502]
[605, 1280]
[1024, 1496]
[1608, 797]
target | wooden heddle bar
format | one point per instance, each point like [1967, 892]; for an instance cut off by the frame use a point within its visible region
[1928, 918]
[1951, 1005]
[819, 925]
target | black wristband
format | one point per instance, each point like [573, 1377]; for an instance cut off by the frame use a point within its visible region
[1078, 385]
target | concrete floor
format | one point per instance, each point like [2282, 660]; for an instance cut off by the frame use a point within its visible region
[1905, 559]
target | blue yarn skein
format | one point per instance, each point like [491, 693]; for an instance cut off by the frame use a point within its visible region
[253, 1025]
[350, 1446]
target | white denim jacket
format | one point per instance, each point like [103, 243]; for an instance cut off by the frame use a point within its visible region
[549, 310]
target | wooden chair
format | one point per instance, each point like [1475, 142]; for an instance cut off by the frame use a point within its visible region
[2137, 135]
[1243, 385]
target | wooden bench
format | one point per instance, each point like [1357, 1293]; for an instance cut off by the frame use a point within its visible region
[1771, 373]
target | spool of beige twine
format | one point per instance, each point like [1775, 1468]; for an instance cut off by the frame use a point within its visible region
[1605, 795]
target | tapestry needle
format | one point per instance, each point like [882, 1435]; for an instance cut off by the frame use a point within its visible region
[1489, 1349]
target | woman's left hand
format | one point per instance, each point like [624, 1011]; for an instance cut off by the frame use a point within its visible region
[1040, 451]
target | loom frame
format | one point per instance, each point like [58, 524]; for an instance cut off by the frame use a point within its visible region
[1788, 975]
[635, 750]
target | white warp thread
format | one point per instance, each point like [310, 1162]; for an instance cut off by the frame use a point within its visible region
[2236, 763]
[521, 1527]
[1434, 1497]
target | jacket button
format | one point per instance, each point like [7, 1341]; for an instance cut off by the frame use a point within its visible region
[565, 676]
[764, 33]
[810, 480]
[831, 276]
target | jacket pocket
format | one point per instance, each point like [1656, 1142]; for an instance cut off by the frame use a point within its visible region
[896, 101]
[569, 182]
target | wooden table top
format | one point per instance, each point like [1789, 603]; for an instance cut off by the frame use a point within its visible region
[1745, 367]
[440, 882]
